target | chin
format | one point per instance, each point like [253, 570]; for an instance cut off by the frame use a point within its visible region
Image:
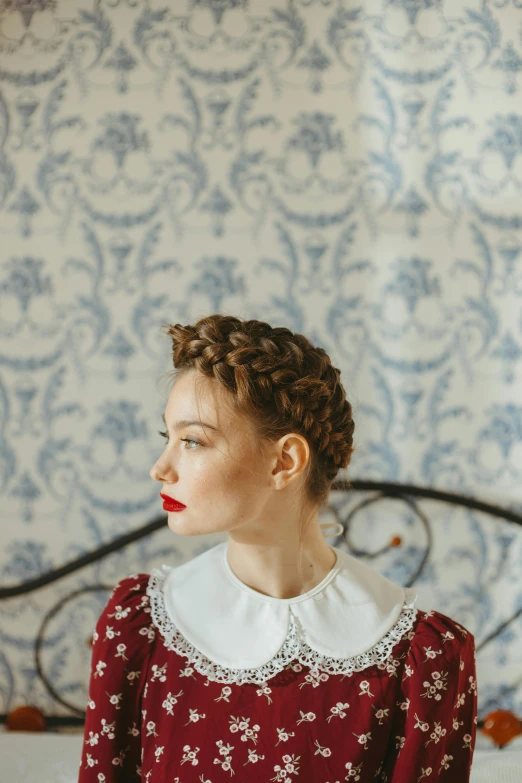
[182, 528]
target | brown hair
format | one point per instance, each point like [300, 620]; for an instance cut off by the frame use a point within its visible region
[279, 382]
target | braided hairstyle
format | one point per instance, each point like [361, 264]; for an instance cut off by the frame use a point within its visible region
[279, 381]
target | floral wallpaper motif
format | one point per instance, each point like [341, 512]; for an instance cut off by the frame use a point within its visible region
[352, 170]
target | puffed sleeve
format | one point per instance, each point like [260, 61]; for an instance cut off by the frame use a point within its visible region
[122, 644]
[436, 711]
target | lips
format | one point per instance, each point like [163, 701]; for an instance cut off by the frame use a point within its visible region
[171, 502]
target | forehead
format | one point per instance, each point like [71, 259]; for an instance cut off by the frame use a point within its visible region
[195, 397]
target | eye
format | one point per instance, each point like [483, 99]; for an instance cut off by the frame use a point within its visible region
[189, 440]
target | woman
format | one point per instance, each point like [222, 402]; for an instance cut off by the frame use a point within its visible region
[272, 656]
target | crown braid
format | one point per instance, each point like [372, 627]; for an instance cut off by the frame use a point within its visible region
[279, 380]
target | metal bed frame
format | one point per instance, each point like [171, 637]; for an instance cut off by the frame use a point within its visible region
[502, 725]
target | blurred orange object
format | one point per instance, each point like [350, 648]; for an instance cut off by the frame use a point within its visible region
[25, 719]
[502, 726]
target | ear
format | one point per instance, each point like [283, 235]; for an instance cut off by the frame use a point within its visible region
[292, 454]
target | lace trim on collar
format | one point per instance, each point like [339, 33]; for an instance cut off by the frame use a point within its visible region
[292, 649]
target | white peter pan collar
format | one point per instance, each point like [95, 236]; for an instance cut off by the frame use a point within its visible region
[232, 633]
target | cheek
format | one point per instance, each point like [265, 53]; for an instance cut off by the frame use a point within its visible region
[225, 482]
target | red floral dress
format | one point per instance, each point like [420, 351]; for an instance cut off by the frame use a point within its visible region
[152, 717]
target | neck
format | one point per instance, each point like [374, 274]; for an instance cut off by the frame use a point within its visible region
[279, 567]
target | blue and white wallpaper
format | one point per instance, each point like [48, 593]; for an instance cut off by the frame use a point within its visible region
[351, 170]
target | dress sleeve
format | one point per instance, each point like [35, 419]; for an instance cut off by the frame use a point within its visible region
[435, 724]
[122, 644]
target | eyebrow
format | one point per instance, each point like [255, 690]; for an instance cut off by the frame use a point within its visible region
[178, 425]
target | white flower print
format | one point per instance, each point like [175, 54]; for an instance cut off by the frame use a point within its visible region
[101, 778]
[159, 751]
[433, 689]
[133, 731]
[225, 693]
[149, 632]
[108, 728]
[170, 701]
[190, 755]
[431, 653]
[315, 678]
[224, 750]
[445, 761]
[391, 666]
[467, 741]
[326, 752]
[362, 739]
[121, 651]
[472, 685]
[408, 671]
[241, 724]
[291, 767]
[403, 705]
[400, 742]
[159, 673]
[91, 704]
[339, 709]
[422, 725]
[306, 716]
[380, 714]
[90, 760]
[425, 773]
[110, 633]
[456, 724]
[118, 760]
[447, 636]
[436, 735]
[194, 716]
[93, 738]
[151, 729]
[253, 757]
[100, 666]
[188, 671]
[116, 698]
[264, 690]
[353, 772]
[119, 613]
[461, 698]
[284, 735]
[133, 676]
[365, 688]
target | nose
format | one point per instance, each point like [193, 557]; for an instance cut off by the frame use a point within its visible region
[159, 471]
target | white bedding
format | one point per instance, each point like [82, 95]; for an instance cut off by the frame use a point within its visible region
[54, 758]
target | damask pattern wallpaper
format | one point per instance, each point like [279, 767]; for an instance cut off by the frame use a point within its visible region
[351, 170]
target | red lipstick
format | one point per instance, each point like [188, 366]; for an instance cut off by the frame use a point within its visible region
[171, 504]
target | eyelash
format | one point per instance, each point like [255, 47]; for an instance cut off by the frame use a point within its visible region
[187, 440]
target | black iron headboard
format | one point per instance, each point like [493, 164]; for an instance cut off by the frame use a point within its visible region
[379, 490]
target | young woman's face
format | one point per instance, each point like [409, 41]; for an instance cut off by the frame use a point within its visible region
[218, 474]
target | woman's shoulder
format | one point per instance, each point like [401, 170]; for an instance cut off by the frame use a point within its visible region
[127, 610]
[432, 625]
[435, 636]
